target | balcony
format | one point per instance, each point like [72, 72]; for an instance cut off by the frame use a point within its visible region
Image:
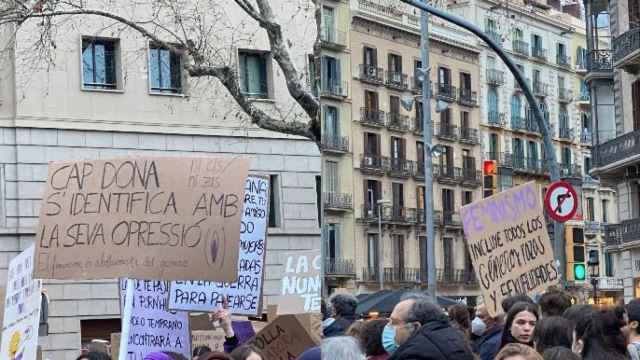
[373, 164]
[612, 235]
[445, 131]
[371, 74]
[495, 77]
[540, 89]
[446, 92]
[337, 201]
[570, 171]
[626, 51]
[339, 267]
[586, 138]
[626, 232]
[335, 144]
[332, 38]
[401, 275]
[449, 276]
[468, 97]
[447, 174]
[584, 98]
[496, 119]
[518, 123]
[620, 148]
[528, 165]
[520, 47]
[471, 177]
[605, 283]
[592, 228]
[419, 170]
[565, 95]
[448, 218]
[539, 53]
[418, 126]
[518, 88]
[401, 168]
[563, 60]
[372, 117]
[497, 38]
[565, 133]
[530, 122]
[600, 61]
[334, 89]
[397, 122]
[397, 81]
[398, 215]
[469, 136]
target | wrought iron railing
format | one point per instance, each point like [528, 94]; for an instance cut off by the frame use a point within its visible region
[335, 143]
[469, 135]
[371, 73]
[333, 200]
[495, 77]
[372, 117]
[373, 163]
[398, 122]
[333, 36]
[401, 274]
[446, 92]
[619, 148]
[495, 118]
[446, 131]
[468, 97]
[626, 44]
[539, 53]
[339, 266]
[521, 47]
[563, 60]
[401, 167]
[334, 88]
[540, 89]
[397, 80]
[565, 133]
[600, 61]
[565, 95]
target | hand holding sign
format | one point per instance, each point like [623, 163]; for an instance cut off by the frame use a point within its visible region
[223, 318]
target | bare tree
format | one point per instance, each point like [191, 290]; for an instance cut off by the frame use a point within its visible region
[192, 27]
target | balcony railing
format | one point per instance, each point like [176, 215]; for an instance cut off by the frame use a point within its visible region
[540, 89]
[518, 123]
[600, 61]
[398, 122]
[339, 201]
[398, 215]
[469, 135]
[630, 230]
[371, 74]
[570, 170]
[592, 228]
[521, 47]
[531, 123]
[586, 138]
[565, 133]
[563, 60]
[456, 277]
[609, 283]
[446, 131]
[334, 89]
[539, 53]
[471, 177]
[401, 275]
[495, 118]
[529, 165]
[494, 36]
[619, 148]
[612, 235]
[339, 266]
[339, 144]
[373, 164]
[447, 218]
[495, 77]
[468, 97]
[626, 44]
[446, 92]
[402, 168]
[397, 80]
[419, 170]
[565, 95]
[372, 117]
[447, 174]
[333, 37]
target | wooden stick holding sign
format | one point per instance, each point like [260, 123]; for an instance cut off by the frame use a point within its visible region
[509, 245]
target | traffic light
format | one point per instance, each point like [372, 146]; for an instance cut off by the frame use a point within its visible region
[576, 267]
[490, 177]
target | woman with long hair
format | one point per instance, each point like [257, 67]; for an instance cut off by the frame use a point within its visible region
[520, 324]
[603, 338]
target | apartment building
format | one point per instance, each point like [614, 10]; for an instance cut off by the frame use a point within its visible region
[387, 171]
[614, 74]
[112, 93]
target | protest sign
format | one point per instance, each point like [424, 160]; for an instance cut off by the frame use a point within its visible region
[214, 339]
[153, 327]
[22, 309]
[284, 338]
[509, 245]
[245, 295]
[145, 217]
[302, 278]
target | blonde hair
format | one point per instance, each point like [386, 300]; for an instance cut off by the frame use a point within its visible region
[515, 349]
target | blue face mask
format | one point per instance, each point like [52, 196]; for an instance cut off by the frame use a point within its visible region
[389, 339]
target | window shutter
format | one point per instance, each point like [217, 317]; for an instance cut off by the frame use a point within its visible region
[263, 74]
[338, 241]
[338, 78]
[366, 198]
[374, 57]
[176, 71]
[635, 91]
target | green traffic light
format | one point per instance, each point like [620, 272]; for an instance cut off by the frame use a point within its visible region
[579, 272]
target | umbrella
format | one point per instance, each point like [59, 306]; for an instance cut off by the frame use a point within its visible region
[384, 301]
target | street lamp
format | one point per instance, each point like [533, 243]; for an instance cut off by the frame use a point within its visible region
[379, 203]
[594, 272]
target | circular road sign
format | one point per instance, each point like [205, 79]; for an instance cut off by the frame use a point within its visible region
[561, 201]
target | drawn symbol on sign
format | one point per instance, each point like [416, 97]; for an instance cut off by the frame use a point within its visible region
[561, 201]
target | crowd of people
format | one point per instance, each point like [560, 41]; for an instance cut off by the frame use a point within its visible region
[551, 328]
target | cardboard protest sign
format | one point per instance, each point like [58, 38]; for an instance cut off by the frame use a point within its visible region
[153, 327]
[245, 295]
[302, 278]
[284, 338]
[22, 309]
[214, 339]
[509, 245]
[145, 217]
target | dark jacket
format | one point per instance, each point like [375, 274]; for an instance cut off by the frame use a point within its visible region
[436, 340]
[338, 327]
[487, 346]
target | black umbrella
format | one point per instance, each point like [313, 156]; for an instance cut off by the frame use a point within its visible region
[384, 301]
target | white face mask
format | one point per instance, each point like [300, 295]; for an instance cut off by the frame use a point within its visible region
[478, 327]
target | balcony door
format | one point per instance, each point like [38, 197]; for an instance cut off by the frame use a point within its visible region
[371, 144]
[330, 72]
[395, 65]
[398, 148]
[394, 104]
[465, 83]
[446, 159]
[372, 192]
[448, 204]
[398, 254]
[331, 128]
[372, 254]
[398, 199]
[444, 78]
[332, 242]
[370, 57]
[420, 155]
[447, 254]
[332, 181]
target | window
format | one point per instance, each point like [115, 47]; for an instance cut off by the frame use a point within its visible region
[165, 70]
[536, 77]
[465, 83]
[561, 83]
[394, 104]
[446, 159]
[590, 209]
[448, 201]
[518, 153]
[274, 201]
[506, 178]
[533, 151]
[516, 111]
[370, 100]
[417, 73]
[372, 249]
[419, 120]
[467, 197]
[536, 42]
[608, 264]
[99, 59]
[253, 74]
[605, 211]
[370, 57]
[398, 148]
[332, 241]
[562, 54]
[581, 57]
[398, 197]
[420, 155]
[464, 120]
[587, 165]
[564, 117]
[634, 14]
[398, 252]
[395, 64]
[493, 147]
[420, 198]
[447, 247]
[444, 76]
[331, 125]
[372, 193]
[566, 156]
[331, 170]
[319, 199]
[328, 24]
[518, 35]
[371, 144]
[491, 26]
[330, 78]
[492, 100]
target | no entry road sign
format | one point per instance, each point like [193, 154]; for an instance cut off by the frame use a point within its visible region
[561, 201]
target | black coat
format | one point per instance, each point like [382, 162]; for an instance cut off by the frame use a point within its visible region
[338, 327]
[436, 340]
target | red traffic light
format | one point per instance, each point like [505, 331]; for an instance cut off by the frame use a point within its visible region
[490, 167]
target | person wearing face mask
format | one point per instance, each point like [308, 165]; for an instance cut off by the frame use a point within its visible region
[489, 330]
[420, 330]
[520, 324]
